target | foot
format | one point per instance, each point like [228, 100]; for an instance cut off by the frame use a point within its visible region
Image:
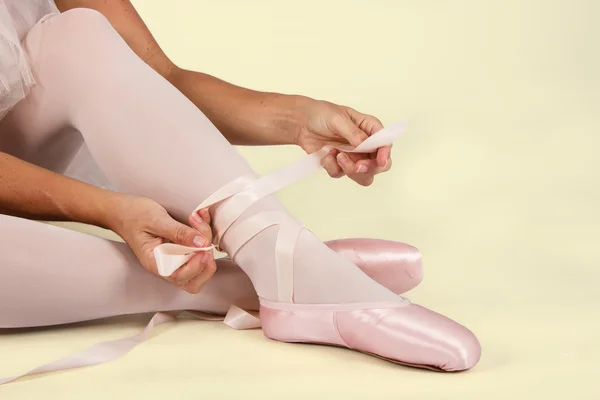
[309, 294]
[394, 265]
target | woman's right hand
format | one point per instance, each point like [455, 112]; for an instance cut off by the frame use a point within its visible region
[144, 224]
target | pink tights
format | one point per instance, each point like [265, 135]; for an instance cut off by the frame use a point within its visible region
[148, 140]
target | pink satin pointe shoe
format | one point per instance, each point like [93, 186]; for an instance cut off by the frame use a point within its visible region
[398, 331]
[394, 265]
[403, 333]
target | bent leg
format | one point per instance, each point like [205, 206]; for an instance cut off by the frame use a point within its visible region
[51, 275]
[150, 140]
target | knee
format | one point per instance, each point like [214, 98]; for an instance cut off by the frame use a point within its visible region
[81, 20]
[79, 35]
[78, 29]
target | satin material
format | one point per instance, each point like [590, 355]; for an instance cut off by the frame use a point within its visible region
[395, 265]
[171, 255]
[398, 331]
[351, 325]
[404, 333]
[70, 95]
[242, 192]
[100, 352]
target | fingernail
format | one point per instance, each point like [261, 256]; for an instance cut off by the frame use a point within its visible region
[342, 159]
[196, 217]
[199, 241]
[205, 258]
[361, 169]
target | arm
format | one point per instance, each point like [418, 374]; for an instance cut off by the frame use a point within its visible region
[249, 117]
[32, 192]
[243, 116]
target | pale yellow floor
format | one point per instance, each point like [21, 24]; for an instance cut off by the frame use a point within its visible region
[496, 181]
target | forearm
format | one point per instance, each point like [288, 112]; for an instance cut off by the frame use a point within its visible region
[244, 116]
[32, 192]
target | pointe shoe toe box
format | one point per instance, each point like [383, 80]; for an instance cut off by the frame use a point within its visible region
[412, 335]
[406, 334]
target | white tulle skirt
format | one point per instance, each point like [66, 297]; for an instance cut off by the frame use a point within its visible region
[17, 17]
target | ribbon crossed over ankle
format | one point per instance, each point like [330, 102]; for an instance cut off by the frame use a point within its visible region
[169, 256]
[242, 193]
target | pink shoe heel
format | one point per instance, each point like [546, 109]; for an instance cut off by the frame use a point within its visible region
[398, 331]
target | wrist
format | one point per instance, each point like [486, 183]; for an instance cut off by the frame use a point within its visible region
[283, 117]
[111, 210]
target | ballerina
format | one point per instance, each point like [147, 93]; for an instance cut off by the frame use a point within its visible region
[158, 157]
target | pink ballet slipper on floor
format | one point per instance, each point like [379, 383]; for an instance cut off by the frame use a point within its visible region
[396, 265]
[398, 331]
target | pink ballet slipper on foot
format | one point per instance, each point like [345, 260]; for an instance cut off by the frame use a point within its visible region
[396, 330]
[394, 265]
[406, 334]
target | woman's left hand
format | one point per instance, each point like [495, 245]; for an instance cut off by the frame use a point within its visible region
[322, 123]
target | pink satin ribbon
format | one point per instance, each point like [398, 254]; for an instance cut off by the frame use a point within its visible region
[103, 352]
[99, 353]
[171, 256]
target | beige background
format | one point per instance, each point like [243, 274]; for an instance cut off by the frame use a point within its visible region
[496, 181]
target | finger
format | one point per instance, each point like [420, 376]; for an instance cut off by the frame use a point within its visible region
[366, 180]
[346, 163]
[387, 166]
[195, 285]
[362, 179]
[181, 234]
[349, 168]
[205, 214]
[371, 164]
[346, 128]
[190, 269]
[368, 123]
[371, 167]
[199, 224]
[383, 155]
[332, 167]
[366, 166]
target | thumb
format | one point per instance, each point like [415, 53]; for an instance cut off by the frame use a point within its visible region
[346, 128]
[179, 233]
